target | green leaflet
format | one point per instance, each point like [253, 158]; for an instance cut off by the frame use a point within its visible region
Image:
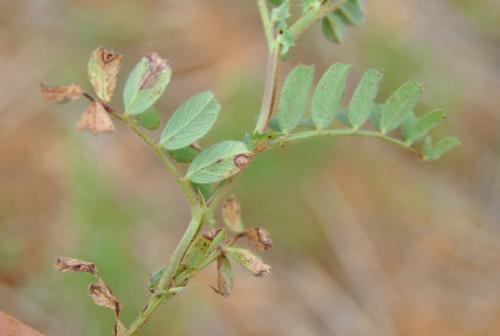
[149, 120]
[352, 12]
[275, 2]
[328, 95]
[191, 121]
[217, 162]
[431, 153]
[333, 28]
[197, 253]
[399, 104]
[362, 101]
[146, 84]
[294, 97]
[280, 13]
[185, 154]
[420, 127]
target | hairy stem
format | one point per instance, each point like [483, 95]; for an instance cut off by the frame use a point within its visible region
[189, 193]
[266, 22]
[161, 292]
[270, 90]
[313, 16]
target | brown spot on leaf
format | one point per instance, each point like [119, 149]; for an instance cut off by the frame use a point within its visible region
[157, 65]
[60, 94]
[96, 119]
[65, 264]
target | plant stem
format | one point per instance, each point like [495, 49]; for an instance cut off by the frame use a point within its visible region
[266, 22]
[161, 292]
[270, 89]
[312, 16]
[189, 193]
[338, 132]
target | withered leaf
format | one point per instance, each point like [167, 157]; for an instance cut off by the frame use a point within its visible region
[224, 276]
[9, 326]
[259, 237]
[249, 261]
[66, 264]
[60, 94]
[102, 296]
[103, 69]
[231, 214]
[146, 84]
[96, 119]
[157, 66]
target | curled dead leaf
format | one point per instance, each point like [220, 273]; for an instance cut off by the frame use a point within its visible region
[157, 66]
[224, 276]
[231, 214]
[66, 264]
[249, 261]
[259, 237]
[96, 119]
[102, 296]
[60, 94]
[104, 66]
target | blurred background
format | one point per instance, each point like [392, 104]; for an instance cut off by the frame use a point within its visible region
[367, 240]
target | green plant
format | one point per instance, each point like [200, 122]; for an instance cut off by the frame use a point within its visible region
[281, 121]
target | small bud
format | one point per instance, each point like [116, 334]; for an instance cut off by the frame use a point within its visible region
[241, 161]
[102, 296]
[249, 261]
[231, 214]
[260, 238]
[96, 119]
[65, 264]
[224, 276]
[103, 69]
[60, 94]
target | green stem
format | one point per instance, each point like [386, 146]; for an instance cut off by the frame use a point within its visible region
[313, 16]
[189, 193]
[266, 22]
[161, 292]
[339, 132]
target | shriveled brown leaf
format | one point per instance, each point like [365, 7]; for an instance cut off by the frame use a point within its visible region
[231, 214]
[9, 326]
[66, 264]
[104, 66]
[224, 277]
[96, 119]
[102, 296]
[156, 66]
[259, 237]
[60, 94]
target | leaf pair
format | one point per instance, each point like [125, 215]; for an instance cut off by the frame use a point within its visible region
[349, 14]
